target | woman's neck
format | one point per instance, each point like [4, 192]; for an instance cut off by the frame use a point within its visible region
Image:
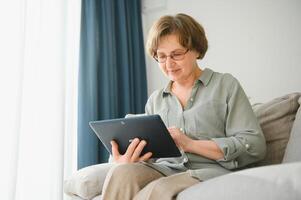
[189, 82]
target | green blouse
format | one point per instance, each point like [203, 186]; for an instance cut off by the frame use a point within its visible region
[217, 110]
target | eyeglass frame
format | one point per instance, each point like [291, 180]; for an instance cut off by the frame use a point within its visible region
[171, 56]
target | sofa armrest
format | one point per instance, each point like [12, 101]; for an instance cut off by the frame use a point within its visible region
[275, 182]
[87, 182]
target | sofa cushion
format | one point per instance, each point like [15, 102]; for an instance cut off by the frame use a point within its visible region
[275, 182]
[293, 150]
[87, 182]
[276, 119]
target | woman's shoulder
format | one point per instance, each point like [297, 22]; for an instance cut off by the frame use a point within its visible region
[226, 79]
[155, 100]
[157, 94]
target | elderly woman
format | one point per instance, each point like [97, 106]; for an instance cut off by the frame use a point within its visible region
[207, 114]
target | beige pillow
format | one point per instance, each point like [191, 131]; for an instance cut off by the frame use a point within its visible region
[293, 150]
[276, 118]
[87, 182]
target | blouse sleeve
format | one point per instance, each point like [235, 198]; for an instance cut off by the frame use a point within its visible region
[244, 142]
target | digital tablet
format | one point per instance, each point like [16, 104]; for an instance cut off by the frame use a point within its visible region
[147, 127]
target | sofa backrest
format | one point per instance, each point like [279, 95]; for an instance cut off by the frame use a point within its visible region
[276, 119]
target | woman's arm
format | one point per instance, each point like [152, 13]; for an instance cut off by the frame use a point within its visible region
[244, 142]
[206, 148]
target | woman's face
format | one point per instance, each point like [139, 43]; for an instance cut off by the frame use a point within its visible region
[177, 70]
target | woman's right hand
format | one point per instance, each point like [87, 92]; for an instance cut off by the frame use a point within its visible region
[132, 154]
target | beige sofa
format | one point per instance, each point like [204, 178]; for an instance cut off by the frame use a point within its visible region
[277, 177]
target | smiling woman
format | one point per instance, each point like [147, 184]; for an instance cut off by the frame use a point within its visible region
[207, 113]
[38, 74]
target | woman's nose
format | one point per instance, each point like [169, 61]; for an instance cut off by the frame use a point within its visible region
[169, 62]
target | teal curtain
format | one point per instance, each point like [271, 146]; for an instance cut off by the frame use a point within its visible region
[112, 73]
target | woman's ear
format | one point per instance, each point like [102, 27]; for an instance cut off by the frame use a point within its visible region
[197, 54]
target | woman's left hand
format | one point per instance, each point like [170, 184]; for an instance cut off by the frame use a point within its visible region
[181, 140]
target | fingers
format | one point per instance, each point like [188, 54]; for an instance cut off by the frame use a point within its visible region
[131, 148]
[115, 151]
[138, 150]
[175, 135]
[134, 151]
[171, 129]
[174, 130]
[172, 136]
[146, 156]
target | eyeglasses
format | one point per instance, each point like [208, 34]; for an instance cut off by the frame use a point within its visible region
[177, 55]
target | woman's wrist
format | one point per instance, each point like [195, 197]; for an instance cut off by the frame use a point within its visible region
[190, 145]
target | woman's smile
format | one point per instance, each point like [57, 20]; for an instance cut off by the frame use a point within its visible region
[173, 71]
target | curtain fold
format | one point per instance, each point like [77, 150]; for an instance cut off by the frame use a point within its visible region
[112, 74]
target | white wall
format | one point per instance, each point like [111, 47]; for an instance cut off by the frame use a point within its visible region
[258, 41]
